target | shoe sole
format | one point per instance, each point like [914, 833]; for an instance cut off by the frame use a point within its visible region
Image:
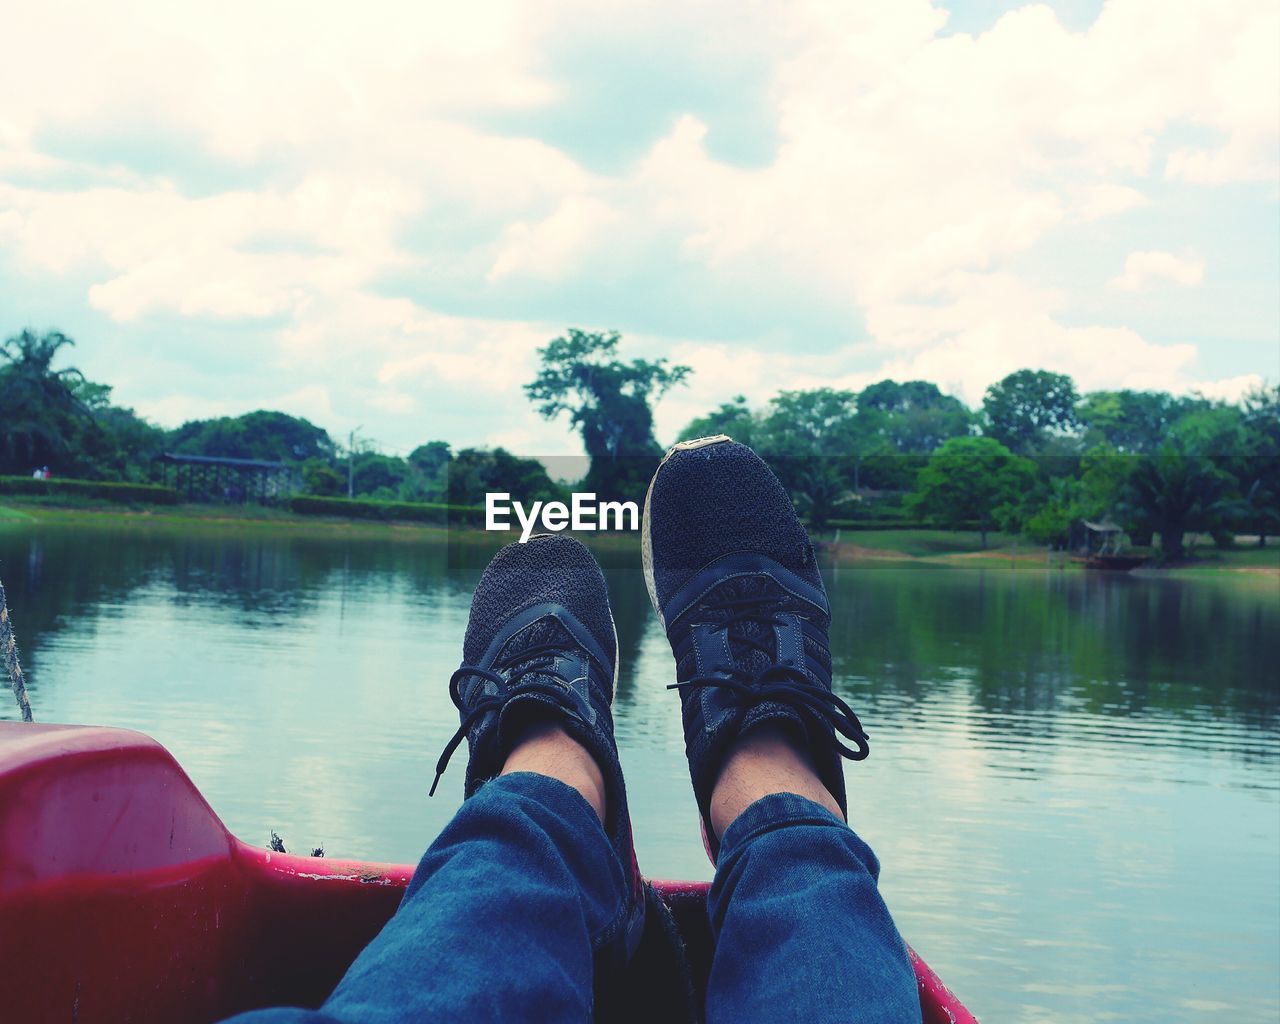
[646, 534]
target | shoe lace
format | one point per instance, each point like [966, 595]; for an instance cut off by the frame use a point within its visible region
[538, 658]
[782, 684]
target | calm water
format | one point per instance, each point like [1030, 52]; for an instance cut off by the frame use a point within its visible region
[1074, 785]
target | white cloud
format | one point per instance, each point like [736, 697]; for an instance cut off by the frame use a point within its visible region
[913, 172]
[1095, 202]
[311, 402]
[554, 247]
[1141, 269]
[1229, 389]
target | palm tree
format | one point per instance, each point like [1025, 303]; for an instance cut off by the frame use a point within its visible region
[1174, 492]
[38, 404]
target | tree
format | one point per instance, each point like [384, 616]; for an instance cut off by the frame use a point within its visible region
[608, 401]
[428, 478]
[1131, 422]
[810, 440]
[43, 418]
[266, 435]
[133, 443]
[320, 478]
[430, 458]
[819, 422]
[914, 418]
[1028, 405]
[1258, 471]
[1172, 492]
[1052, 514]
[379, 476]
[732, 418]
[475, 472]
[971, 479]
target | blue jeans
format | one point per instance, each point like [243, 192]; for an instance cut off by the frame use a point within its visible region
[504, 914]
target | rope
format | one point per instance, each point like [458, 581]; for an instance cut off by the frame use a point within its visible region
[9, 653]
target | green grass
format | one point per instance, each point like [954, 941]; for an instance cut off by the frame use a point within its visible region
[236, 517]
[1243, 557]
[923, 543]
[257, 518]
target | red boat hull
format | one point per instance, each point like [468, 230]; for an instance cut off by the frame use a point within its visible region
[124, 898]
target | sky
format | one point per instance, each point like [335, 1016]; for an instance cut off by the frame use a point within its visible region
[373, 215]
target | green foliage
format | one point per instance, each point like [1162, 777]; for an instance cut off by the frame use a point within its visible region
[1051, 523]
[972, 479]
[430, 458]
[265, 435]
[732, 418]
[608, 402]
[809, 439]
[428, 476]
[888, 524]
[809, 423]
[405, 511]
[322, 479]
[1129, 422]
[1258, 467]
[44, 421]
[105, 490]
[914, 418]
[379, 475]
[1173, 492]
[475, 472]
[1027, 406]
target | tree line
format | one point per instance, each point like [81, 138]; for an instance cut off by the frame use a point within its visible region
[1035, 457]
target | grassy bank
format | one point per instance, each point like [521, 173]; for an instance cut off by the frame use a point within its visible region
[25, 511]
[920, 547]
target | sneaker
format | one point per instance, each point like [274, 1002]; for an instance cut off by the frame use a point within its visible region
[541, 642]
[733, 578]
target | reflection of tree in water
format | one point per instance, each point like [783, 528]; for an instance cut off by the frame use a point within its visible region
[1035, 649]
[631, 610]
[56, 576]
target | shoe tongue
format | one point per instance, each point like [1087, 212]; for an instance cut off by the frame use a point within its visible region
[740, 595]
[548, 630]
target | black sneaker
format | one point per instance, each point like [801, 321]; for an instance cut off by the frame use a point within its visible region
[541, 643]
[732, 576]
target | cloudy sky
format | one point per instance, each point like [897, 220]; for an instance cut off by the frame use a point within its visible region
[373, 214]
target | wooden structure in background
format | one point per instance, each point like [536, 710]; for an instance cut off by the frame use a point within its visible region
[233, 481]
[1103, 546]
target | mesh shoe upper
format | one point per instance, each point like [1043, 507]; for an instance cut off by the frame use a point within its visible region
[546, 570]
[540, 644]
[714, 500]
[732, 573]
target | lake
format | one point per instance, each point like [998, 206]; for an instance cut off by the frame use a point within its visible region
[1074, 784]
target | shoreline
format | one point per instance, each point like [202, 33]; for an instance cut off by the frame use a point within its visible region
[918, 548]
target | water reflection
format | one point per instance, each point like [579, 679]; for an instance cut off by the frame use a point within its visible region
[1074, 787]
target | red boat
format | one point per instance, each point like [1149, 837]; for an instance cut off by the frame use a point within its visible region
[123, 898]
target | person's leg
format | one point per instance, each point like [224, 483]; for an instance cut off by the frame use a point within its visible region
[799, 922]
[500, 921]
[530, 892]
[802, 933]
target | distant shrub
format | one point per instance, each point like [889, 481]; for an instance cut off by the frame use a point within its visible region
[891, 524]
[105, 490]
[407, 511]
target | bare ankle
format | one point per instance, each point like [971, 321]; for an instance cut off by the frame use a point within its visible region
[764, 761]
[546, 749]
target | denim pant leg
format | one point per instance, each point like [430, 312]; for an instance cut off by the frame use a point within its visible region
[801, 931]
[499, 923]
